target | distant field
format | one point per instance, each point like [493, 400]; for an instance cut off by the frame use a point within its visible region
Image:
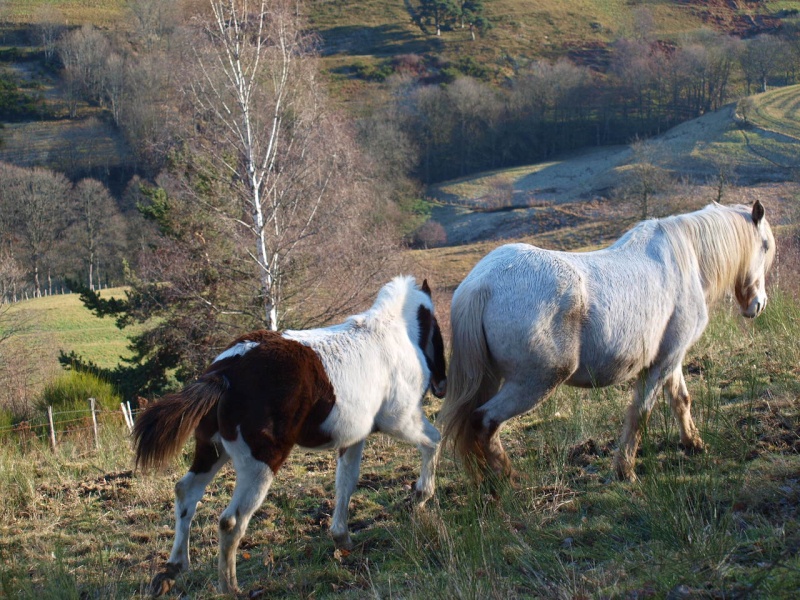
[63, 144]
[61, 322]
[778, 111]
[99, 12]
[371, 29]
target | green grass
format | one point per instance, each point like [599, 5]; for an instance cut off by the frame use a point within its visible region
[778, 111]
[723, 523]
[61, 322]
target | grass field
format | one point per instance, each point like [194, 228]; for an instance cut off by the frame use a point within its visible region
[79, 523]
[722, 524]
[75, 12]
[61, 322]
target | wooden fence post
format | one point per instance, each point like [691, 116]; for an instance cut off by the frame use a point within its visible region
[94, 423]
[52, 428]
[126, 416]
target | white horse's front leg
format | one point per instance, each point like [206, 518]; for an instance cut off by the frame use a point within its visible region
[681, 403]
[348, 466]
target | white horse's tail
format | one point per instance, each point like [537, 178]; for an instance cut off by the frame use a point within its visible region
[470, 378]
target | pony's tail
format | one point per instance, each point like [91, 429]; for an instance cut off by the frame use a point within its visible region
[470, 378]
[163, 428]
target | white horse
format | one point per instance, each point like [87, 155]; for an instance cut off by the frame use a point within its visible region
[526, 320]
[322, 389]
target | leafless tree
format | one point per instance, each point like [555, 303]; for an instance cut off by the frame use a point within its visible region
[49, 25]
[36, 198]
[83, 52]
[643, 23]
[261, 134]
[95, 212]
[152, 20]
[763, 56]
[11, 276]
[146, 108]
[645, 177]
[476, 110]
[113, 77]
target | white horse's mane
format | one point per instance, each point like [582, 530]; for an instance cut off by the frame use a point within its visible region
[718, 240]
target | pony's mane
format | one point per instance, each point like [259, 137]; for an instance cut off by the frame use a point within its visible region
[718, 239]
[399, 298]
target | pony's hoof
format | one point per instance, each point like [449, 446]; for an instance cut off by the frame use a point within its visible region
[227, 588]
[164, 581]
[417, 499]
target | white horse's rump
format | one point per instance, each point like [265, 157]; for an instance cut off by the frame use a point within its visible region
[526, 320]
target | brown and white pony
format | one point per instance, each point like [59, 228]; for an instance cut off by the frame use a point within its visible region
[525, 320]
[321, 388]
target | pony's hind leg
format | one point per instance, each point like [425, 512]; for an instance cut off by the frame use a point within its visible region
[348, 466]
[681, 403]
[209, 457]
[253, 480]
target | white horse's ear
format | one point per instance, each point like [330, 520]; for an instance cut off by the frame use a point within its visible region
[425, 287]
[758, 212]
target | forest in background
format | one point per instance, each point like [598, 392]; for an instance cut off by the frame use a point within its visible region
[213, 230]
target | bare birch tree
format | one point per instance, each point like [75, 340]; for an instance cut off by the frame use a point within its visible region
[261, 115]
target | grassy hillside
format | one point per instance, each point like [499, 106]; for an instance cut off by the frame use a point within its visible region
[61, 322]
[80, 523]
[76, 12]
[522, 29]
[579, 193]
[777, 111]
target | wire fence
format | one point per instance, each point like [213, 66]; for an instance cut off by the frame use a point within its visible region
[52, 427]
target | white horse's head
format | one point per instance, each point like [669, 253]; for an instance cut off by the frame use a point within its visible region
[750, 287]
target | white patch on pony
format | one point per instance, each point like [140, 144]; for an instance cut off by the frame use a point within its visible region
[374, 363]
[239, 349]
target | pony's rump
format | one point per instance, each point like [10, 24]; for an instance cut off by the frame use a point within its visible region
[163, 428]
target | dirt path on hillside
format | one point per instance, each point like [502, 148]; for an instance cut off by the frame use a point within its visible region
[549, 196]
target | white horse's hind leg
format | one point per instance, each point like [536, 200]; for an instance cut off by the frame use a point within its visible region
[681, 403]
[348, 466]
[645, 395]
[513, 399]
[253, 479]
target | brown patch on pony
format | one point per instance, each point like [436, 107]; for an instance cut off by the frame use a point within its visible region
[276, 394]
[279, 395]
[163, 428]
